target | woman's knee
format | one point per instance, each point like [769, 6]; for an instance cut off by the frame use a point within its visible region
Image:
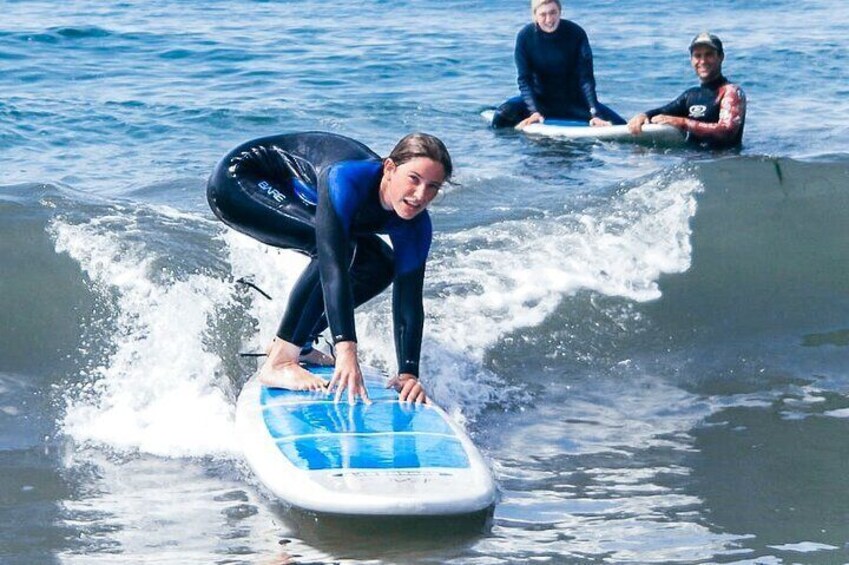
[510, 113]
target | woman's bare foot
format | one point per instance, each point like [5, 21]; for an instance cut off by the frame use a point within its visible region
[317, 357]
[290, 376]
[282, 369]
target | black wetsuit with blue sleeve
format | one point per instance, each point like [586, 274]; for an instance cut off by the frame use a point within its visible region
[318, 193]
[555, 77]
[349, 209]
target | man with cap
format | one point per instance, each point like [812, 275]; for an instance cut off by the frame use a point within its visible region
[712, 114]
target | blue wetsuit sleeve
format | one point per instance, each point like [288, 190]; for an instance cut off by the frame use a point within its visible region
[586, 76]
[408, 319]
[336, 206]
[525, 72]
[677, 107]
[411, 247]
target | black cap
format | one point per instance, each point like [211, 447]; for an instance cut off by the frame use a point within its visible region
[708, 40]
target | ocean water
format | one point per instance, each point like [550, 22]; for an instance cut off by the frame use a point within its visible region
[648, 344]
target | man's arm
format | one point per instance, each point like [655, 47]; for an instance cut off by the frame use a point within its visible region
[677, 107]
[732, 111]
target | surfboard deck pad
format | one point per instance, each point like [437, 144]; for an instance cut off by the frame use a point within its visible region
[383, 458]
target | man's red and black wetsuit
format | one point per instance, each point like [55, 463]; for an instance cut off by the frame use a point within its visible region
[715, 113]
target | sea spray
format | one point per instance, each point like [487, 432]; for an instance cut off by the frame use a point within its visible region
[157, 390]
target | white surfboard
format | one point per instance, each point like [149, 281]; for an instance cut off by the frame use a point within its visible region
[388, 458]
[575, 130]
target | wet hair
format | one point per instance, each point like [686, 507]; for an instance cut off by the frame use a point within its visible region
[535, 4]
[425, 145]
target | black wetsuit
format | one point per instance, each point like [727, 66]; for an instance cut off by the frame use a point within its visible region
[715, 112]
[317, 193]
[555, 76]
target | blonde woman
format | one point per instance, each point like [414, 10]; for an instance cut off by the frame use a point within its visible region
[555, 74]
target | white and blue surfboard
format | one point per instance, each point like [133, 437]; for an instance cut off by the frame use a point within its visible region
[388, 458]
[577, 130]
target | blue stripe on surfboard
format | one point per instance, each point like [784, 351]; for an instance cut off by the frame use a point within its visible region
[267, 396]
[566, 123]
[408, 451]
[331, 418]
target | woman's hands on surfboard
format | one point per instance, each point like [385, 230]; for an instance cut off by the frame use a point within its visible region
[532, 119]
[348, 374]
[409, 388]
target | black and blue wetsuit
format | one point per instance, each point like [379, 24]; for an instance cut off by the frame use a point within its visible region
[555, 76]
[318, 193]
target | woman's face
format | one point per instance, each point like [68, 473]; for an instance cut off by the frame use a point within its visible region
[547, 17]
[408, 188]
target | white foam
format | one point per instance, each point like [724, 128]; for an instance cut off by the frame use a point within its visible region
[272, 270]
[805, 547]
[502, 277]
[158, 391]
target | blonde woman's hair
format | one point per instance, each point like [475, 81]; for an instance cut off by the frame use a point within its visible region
[535, 4]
